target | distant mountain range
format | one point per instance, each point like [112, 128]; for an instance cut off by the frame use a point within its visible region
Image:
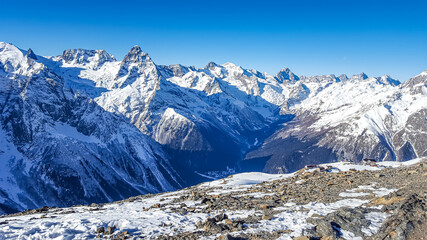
[83, 127]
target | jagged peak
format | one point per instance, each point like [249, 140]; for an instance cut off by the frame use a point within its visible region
[417, 83]
[177, 69]
[285, 74]
[135, 50]
[285, 69]
[82, 51]
[211, 65]
[386, 79]
[361, 76]
[133, 66]
[31, 54]
[136, 55]
[343, 77]
[181, 66]
[85, 56]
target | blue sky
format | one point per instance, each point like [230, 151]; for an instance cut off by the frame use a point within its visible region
[310, 37]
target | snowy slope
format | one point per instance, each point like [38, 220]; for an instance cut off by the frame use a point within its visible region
[156, 215]
[188, 110]
[350, 120]
[60, 148]
[185, 109]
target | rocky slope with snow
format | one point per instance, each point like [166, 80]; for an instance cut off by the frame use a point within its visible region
[333, 201]
[60, 148]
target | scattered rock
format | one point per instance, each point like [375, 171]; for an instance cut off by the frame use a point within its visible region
[110, 230]
[378, 175]
[349, 219]
[100, 230]
[409, 221]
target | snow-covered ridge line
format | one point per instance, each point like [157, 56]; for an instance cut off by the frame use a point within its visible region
[61, 143]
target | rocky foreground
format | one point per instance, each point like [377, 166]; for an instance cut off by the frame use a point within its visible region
[331, 201]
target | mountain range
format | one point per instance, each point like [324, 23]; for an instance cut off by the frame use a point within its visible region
[83, 127]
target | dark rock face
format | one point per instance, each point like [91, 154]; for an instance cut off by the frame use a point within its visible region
[31, 54]
[350, 219]
[409, 221]
[412, 140]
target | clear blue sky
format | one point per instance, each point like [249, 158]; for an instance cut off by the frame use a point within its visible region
[310, 37]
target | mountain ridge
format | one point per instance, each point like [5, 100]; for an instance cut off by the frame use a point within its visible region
[65, 146]
[209, 122]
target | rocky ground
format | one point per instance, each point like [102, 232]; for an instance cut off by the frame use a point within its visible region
[364, 202]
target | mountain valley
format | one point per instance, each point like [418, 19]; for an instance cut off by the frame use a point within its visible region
[83, 127]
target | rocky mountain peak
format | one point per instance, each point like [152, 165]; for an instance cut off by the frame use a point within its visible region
[359, 77]
[135, 50]
[211, 66]
[286, 75]
[343, 77]
[417, 84]
[386, 79]
[92, 58]
[177, 70]
[136, 55]
[31, 54]
[136, 65]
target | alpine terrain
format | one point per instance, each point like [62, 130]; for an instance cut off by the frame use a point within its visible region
[333, 201]
[83, 127]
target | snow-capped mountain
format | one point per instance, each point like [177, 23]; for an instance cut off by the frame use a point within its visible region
[221, 112]
[210, 118]
[60, 148]
[118, 128]
[200, 116]
[349, 119]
